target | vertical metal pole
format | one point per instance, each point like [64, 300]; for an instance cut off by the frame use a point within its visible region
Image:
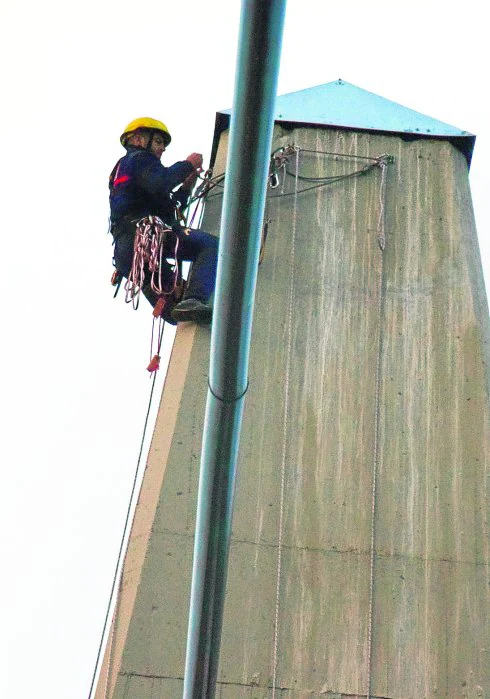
[261, 29]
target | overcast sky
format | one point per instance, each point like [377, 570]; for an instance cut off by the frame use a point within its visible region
[74, 385]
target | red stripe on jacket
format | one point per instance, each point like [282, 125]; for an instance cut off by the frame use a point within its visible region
[120, 180]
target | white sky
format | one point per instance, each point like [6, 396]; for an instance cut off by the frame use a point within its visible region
[74, 384]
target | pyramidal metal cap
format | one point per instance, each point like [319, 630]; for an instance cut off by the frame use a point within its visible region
[343, 105]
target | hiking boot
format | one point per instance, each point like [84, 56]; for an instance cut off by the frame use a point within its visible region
[192, 310]
[167, 315]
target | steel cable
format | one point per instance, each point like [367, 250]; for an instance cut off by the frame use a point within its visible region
[380, 230]
[284, 442]
[122, 546]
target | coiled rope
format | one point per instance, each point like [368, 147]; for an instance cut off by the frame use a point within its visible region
[151, 235]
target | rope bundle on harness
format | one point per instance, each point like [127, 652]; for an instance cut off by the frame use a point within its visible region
[149, 242]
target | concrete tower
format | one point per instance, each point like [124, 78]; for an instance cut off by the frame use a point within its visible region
[359, 561]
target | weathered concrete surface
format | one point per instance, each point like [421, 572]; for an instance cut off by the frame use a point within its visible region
[388, 377]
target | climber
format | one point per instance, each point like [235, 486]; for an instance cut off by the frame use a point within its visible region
[141, 186]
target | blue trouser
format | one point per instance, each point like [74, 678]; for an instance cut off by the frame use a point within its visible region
[197, 246]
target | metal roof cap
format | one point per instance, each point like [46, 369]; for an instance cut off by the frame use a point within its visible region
[343, 105]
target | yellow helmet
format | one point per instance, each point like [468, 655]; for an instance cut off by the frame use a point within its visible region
[145, 123]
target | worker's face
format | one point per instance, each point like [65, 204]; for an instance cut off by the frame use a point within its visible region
[158, 145]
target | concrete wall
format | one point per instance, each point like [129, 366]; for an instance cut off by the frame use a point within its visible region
[362, 494]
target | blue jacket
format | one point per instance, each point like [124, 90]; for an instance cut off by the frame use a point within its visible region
[140, 185]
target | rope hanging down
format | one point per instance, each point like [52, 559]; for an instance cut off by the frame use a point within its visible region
[122, 546]
[381, 234]
[279, 166]
[284, 439]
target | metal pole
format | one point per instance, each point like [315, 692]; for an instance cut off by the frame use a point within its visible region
[252, 121]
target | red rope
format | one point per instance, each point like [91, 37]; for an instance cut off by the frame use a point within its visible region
[154, 364]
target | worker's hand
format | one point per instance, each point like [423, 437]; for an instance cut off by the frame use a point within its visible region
[196, 161]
